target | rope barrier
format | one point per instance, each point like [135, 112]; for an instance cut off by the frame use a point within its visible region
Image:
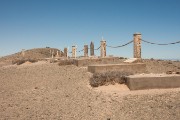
[131, 42]
[120, 45]
[97, 48]
[88, 48]
[161, 44]
[81, 50]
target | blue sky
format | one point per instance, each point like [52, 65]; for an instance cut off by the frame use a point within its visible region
[26, 24]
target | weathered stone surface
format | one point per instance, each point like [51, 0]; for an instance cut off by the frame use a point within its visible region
[65, 52]
[103, 48]
[132, 68]
[85, 50]
[137, 45]
[152, 81]
[73, 51]
[93, 61]
[133, 60]
[92, 49]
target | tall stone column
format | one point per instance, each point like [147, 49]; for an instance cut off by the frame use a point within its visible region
[103, 48]
[137, 45]
[92, 49]
[53, 54]
[85, 50]
[73, 51]
[65, 52]
[59, 53]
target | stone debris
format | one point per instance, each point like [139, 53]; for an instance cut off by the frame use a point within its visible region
[133, 60]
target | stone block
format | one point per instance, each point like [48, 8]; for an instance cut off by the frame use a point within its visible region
[131, 68]
[152, 81]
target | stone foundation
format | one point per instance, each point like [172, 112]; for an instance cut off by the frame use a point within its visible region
[94, 61]
[131, 68]
[152, 81]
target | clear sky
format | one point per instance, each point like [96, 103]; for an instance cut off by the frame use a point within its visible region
[26, 24]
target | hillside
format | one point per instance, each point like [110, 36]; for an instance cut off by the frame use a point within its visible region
[36, 53]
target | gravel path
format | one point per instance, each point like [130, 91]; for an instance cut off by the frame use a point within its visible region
[48, 91]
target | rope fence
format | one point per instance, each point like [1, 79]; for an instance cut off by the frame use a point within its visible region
[120, 45]
[88, 48]
[132, 42]
[161, 44]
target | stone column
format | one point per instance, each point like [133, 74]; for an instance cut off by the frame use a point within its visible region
[103, 48]
[137, 45]
[65, 52]
[50, 53]
[57, 53]
[92, 49]
[73, 51]
[85, 50]
[53, 54]
[60, 53]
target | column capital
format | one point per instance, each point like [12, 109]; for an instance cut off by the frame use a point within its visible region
[137, 33]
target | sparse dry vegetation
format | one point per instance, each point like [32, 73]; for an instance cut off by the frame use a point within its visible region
[53, 92]
[66, 62]
[99, 79]
[21, 61]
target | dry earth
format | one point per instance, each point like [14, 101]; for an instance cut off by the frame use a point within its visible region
[48, 91]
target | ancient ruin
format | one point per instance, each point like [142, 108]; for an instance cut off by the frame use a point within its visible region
[73, 51]
[58, 53]
[53, 54]
[85, 50]
[92, 49]
[65, 52]
[103, 48]
[137, 45]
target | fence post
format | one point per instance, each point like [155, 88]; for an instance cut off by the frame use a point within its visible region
[137, 45]
[65, 52]
[52, 54]
[73, 51]
[60, 53]
[92, 49]
[103, 48]
[85, 50]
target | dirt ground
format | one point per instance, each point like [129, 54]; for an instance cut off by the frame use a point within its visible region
[48, 91]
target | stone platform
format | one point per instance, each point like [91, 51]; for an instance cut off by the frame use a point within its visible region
[124, 67]
[153, 81]
[92, 61]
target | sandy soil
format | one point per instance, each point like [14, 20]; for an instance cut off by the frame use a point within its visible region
[48, 91]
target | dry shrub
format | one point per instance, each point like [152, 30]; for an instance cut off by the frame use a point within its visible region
[32, 60]
[66, 62]
[99, 79]
[54, 60]
[22, 60]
